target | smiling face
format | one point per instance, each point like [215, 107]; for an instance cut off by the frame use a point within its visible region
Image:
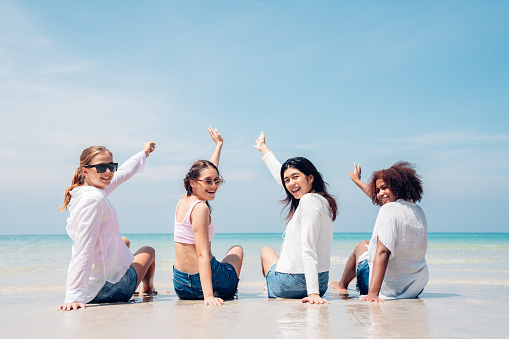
[384, 193]
[297, 183]
[203, 190]
[99, 180]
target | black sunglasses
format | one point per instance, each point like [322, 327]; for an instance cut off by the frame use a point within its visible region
[101, 168]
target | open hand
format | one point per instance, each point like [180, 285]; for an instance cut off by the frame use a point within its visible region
[356, 175]
[71, 306]
[372, 298]
[213, 301]
[260, 141]
[215, 135]
[314, 299]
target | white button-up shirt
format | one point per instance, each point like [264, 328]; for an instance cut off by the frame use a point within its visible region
[98, 252]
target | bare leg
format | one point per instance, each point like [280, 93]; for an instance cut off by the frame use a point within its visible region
[126, 242]
[145, 265]
[350, 270]
[234, 256]
[268, 257]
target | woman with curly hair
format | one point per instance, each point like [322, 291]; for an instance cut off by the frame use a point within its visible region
[392, 265]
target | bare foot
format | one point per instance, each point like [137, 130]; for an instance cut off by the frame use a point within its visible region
[339, 286]
[150, 293]
[150, 290]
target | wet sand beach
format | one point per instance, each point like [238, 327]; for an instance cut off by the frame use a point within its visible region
[451, 311]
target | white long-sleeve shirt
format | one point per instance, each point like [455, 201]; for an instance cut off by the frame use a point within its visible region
[98, 252]
[308, 236]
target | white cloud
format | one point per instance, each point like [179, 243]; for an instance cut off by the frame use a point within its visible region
[238, 175]
[65, 69]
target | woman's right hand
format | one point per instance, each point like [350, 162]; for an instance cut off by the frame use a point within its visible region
[71, 306]
[356, 175]
[261, 145]
[213, 301]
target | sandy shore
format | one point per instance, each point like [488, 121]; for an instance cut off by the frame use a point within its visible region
[453, 311]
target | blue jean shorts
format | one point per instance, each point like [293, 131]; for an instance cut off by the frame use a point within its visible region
[224, 282]
[123, 290]
[292, 285]
[363, 277]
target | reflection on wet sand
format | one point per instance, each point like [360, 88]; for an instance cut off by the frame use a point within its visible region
[304, 320]
[393, 318]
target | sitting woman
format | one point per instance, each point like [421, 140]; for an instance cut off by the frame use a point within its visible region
[302, 270]
[196, 273]
[392, 265]
[102, 268]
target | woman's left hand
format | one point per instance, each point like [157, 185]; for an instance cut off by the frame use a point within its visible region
[149, 147]
[314, 299]
[215, 135]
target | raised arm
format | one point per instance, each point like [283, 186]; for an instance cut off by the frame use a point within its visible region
[269, 158]
[356, 178]
[133, 165]
[218, 139]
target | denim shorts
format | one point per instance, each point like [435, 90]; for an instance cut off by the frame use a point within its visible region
[292, 285]
[224, 282]
[123, 290]
[363, 277]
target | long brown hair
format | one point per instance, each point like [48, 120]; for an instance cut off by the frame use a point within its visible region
[78, 178]
[319, 186]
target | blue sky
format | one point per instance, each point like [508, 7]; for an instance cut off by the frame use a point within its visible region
[337, 82]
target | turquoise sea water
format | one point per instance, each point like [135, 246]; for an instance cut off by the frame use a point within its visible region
[39, 262]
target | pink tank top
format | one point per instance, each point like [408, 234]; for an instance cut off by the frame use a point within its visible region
[183, 232]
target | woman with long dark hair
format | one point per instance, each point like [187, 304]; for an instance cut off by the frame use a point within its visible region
[196, 272]
[302, 269]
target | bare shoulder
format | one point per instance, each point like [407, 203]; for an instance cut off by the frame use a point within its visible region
[201, 208]
[200, 212]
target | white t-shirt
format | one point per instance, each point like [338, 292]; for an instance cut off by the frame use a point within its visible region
[98, 251]
[308, 236]
[401, 227]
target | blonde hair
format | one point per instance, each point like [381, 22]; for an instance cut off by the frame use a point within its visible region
[78, 178]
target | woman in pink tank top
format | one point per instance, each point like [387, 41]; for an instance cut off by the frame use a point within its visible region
[196, 272]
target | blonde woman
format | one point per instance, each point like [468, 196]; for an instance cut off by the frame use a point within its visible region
[102, 268]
